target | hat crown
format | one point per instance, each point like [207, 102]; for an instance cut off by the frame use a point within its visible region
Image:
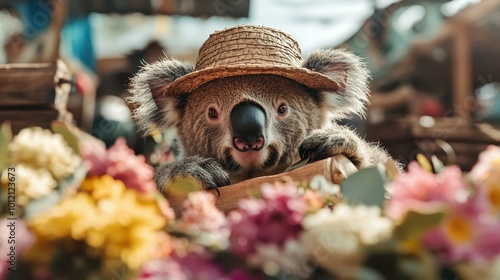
[249, 45]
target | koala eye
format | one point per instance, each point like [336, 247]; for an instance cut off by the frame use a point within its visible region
[282, 109]
[212, 113]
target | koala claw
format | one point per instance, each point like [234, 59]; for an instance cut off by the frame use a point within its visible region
[207, 171]
[321, 145]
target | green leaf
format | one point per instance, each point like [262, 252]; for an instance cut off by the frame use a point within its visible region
[437, 164]
[35, 207]
[63, 129]
[40, 205]
[75, 180]
[367, 186]
[297, 165]
[415, 223]
[5, 138]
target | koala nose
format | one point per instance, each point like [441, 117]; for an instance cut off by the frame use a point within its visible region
[248, 121]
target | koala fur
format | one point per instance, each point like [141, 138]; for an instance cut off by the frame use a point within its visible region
[307, 130]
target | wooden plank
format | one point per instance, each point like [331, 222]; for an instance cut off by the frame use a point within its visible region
[20, 119]
[462, 72]
[335, 169]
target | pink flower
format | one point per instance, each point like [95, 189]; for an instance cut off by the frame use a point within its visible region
[468, 234]
[272, 220]
[201, 217]
[486, 175]
[120, 162]
[419, 189]
[488, 165]
[195, 265]
[200, 213]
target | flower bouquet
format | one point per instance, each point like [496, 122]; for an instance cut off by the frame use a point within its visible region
[73, 210]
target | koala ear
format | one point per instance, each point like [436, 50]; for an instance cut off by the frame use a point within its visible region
[351, 75]
[147, 88]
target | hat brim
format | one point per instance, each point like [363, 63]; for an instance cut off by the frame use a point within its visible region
[306, 77]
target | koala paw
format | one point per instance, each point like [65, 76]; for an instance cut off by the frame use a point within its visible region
[206, 170]
[324, 144]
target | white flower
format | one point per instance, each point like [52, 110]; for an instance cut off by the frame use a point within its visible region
[29, 183]
[335, 238]
[291, 259]
[40, 148]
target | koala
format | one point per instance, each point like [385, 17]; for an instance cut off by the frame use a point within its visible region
[239, 127]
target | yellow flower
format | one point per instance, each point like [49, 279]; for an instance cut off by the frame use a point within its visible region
[64, 219]
[103, 187]
[30, 183]
[493, 193]
[458, 229]
[42, 149]
[120, 222]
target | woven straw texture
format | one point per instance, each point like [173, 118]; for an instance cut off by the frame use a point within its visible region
[250, 50]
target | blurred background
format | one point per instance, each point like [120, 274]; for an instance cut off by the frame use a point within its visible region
[435, 64]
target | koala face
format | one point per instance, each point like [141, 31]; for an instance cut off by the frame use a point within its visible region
[250, 124]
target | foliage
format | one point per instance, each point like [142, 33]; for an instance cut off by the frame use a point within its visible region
[85, 212]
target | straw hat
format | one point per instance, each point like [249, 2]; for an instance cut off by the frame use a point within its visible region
[249, 50]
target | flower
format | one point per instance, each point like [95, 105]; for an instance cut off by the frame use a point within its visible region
[290, 259]
[319, 192]
[488, 165]
[201, 216]
[159, 269]
[193, 262]
[313, 200]
[486, 174]
[335, 238]
[121, 163]
[30, 183]
[41, 149]
[272, 220]
[200, 213]
[107, 216]
[467, 234]
[417, 189]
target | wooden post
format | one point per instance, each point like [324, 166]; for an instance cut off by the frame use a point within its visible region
[462, 72]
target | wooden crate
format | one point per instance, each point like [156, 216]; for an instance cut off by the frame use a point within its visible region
[34, 94]
[406, 137]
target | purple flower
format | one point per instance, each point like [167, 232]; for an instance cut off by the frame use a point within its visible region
[120, 162]
[239, 274]
[274, 219]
